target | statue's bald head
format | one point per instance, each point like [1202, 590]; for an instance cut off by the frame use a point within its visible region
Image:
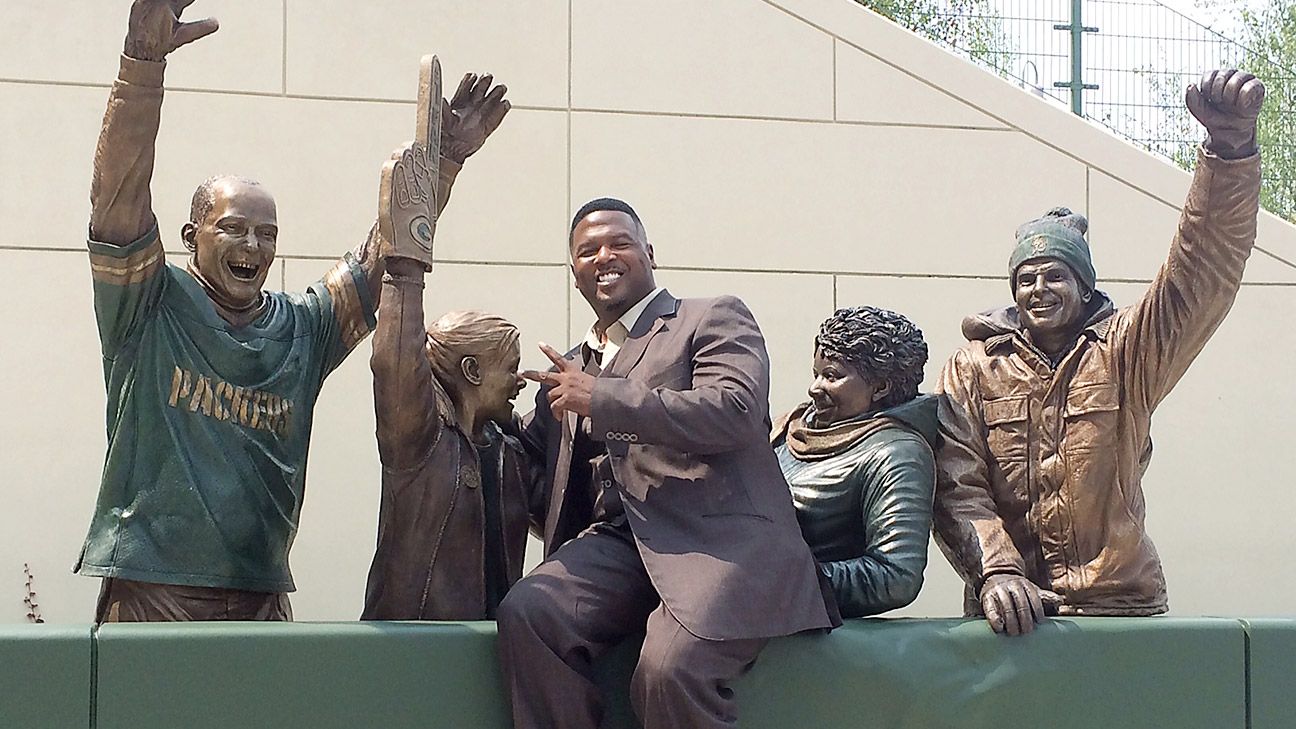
[204, 198]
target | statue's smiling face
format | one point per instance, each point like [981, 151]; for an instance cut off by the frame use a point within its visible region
[1050, 299]
[234, 243]
[840, 391]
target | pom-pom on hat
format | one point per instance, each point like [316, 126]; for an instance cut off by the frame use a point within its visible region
[1059, 234]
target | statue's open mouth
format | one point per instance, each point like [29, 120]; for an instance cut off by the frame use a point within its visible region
[243, 271]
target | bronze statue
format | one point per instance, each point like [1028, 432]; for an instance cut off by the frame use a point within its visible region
[211, 381]
[407, 195]
[663, 506]
[455, 486]
[859, 459]
[453, 520]
[1047, 409]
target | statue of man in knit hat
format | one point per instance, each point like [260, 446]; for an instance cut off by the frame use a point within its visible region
[1047, 408]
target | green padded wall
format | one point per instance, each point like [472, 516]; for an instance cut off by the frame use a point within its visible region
[316, 675]
[1273, 673]
[45, 676]
[1115, 673]
[908, 674]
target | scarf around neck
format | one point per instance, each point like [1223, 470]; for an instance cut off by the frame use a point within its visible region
[810, 443]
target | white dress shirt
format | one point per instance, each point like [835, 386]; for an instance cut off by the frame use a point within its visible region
[618, 331]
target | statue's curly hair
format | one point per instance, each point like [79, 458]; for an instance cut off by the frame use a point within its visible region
[882, 345]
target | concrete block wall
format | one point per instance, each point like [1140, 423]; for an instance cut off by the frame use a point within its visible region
[802, 154]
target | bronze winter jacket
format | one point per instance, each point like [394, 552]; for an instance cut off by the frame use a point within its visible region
[431, 559]
[865, 511]
[1040, 473]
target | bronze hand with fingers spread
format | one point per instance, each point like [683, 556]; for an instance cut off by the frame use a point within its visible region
[471, 116]
[155, 29]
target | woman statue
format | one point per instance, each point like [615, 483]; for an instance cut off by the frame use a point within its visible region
[859, 459]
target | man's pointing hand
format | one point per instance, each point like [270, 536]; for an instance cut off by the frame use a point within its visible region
[570, 387]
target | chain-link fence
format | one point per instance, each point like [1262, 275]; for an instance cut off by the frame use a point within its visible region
[1135, 57]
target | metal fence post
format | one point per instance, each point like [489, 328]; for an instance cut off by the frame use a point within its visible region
[1076, 84]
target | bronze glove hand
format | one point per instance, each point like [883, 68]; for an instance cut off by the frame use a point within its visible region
[407, 205]
[155, 29]
[1013, 604]
[1227, 103]
[471, 116]
[406, 222]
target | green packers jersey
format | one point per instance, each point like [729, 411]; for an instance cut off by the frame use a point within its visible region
[208, 424]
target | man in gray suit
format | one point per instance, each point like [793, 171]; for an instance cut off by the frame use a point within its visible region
[663, 505]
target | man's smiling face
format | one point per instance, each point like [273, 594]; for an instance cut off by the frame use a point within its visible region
[612, 263]
[234, 243]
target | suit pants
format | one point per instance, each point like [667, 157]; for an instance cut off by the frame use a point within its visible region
[589, 595]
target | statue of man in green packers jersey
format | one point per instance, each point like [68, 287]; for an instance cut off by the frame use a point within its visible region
[211, 381]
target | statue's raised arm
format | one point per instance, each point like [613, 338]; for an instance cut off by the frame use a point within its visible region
[120, 203]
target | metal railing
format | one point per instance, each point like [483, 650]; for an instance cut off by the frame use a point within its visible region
[1121, 63]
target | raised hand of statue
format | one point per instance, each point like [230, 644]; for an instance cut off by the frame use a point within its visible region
[1227, 103]
[570, 388]
[407, 207]
[155, 29]
[1013, 604]
[471, 116]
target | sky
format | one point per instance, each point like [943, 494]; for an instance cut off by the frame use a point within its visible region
[1220, 15]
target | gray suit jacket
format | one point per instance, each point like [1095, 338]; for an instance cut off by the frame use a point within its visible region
[683, 411]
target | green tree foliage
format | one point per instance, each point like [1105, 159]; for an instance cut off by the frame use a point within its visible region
[1270, 41]
[968, 26]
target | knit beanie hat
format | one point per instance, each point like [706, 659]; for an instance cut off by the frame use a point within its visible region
[1059, 234]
